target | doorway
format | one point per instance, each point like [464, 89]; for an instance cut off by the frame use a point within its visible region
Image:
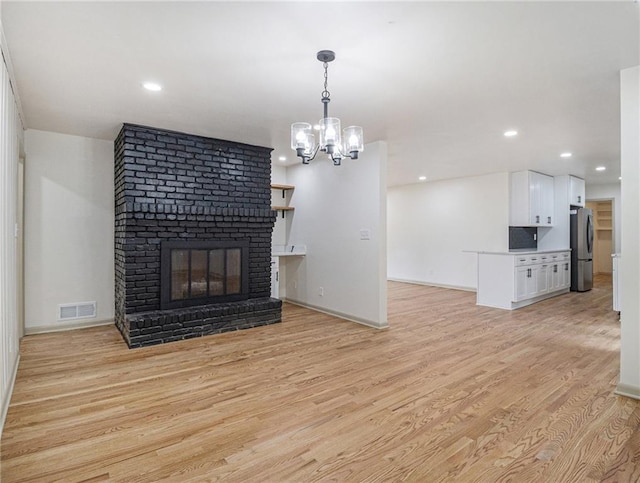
[603, 236]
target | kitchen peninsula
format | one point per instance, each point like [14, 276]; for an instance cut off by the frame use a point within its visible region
[513, 279]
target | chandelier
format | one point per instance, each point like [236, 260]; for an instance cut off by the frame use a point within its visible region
[303, 140]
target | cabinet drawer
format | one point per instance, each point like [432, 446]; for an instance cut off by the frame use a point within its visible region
[527, 260]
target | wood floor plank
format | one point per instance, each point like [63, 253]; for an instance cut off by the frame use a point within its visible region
[450, 392]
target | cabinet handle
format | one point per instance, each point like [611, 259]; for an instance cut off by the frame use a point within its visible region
[579, 199]
[549, 220]
[555, 269]
[566, 267]
[528, 273]
[537, 218]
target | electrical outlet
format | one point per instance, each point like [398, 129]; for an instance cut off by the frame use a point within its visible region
[321, 293]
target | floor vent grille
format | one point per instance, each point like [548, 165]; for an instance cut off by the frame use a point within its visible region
[80, 310]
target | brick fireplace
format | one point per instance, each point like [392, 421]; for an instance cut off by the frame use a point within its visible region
[192, 236]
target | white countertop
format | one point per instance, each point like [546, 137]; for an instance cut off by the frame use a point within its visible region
[523, 251]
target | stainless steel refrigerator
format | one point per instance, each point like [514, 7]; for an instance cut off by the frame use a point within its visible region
[581, 237]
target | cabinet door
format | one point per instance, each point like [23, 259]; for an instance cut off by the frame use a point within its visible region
[526, 285]
[547, 200]
[275, 277]
[542, 279]
[520, 199]
[556, 277]
[566, 274]
[535, 198]
[522, 273]
[576, 191]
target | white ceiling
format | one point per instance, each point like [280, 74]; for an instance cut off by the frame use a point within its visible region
[440, 82]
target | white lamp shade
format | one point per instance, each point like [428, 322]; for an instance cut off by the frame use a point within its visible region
[353, 138]
[330, 132]
[300, 136]
[310, 144]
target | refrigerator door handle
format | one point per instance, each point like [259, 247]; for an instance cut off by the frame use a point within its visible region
[589, 235]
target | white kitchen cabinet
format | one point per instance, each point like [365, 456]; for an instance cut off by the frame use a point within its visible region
[556, 275]
[576, 191]
[526, 283]
[510, 280]
[275, 277]
[547, 199]
[542, 279]
[531, 199]
[566, 274]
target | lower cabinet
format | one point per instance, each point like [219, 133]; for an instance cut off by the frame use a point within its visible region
[511, 281]
[275, 277]
[542, 279]
[526, 283]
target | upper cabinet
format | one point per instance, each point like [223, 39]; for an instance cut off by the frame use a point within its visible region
[576, 191]
[531, 199]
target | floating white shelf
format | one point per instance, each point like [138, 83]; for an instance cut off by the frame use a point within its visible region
[289, 250]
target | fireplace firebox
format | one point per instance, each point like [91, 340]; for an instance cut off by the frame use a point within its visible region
[199, 273]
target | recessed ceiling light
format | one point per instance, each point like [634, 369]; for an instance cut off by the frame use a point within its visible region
[422, 178]
[511, 133]
[600, 168]
[282, 158]
[152, 86]
[565, 155]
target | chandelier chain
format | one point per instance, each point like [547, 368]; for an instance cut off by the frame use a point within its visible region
[326, 93]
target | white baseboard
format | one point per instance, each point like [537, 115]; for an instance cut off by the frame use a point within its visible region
[62, 326]
[628, 391]
[351, 318]
[430, 284]
[7, 397]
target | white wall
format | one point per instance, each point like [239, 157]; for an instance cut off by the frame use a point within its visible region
[279, 176]
[613, 192]
[10, 140]
[432, 224]
[69, 223]
[630, 263]
[332, 206]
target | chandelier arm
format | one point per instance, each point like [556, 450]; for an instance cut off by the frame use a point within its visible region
[308, 159]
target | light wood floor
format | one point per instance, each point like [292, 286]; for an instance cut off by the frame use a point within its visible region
[451, 392]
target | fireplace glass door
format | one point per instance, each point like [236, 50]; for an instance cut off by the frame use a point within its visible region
[202, 272]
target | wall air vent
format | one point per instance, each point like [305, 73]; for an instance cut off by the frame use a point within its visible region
[80, 310]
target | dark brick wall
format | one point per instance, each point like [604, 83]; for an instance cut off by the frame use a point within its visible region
[171, 186]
